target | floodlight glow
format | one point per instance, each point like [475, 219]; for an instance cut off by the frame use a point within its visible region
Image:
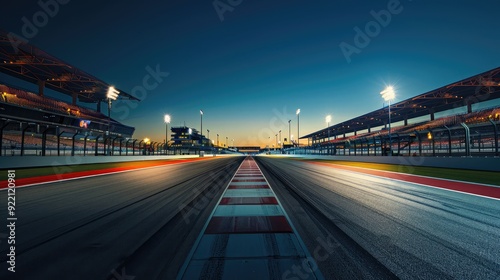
[328, 118]
[388, 93]
[190, 131]
[112, 93]
[201, 112]
[146, 140]
[298, 111]
[167, 119]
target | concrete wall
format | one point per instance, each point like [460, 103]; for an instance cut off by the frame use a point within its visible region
[12, 162]
[472, 163]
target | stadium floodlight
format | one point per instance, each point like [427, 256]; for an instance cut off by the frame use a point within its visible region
[388, 94]
[166, 118]
[111, 95]
[298, 127]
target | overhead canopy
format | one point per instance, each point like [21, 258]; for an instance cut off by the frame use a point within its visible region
[479, 88]
[24, 61]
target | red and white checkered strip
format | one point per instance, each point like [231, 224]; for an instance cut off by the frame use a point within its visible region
[249, 236]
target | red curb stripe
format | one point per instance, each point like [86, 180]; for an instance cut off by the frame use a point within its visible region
[471, 188]
[72, 175]
[248, 187]
[249, 180]
[248, 201]
[248, 224]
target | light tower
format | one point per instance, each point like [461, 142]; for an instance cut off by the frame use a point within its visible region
[388, 95]
[111, 96]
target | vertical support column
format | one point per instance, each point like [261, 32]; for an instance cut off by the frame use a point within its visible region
[85, 145]
[495, 136]
[44, 141]
[399, 143]
[112, 152]
[41, 87]
[433, 141]
[4, 124]
[73, 144]
[22, 138]
[419, 143]
[409, 145]
[58, 141]
[467, 139]
[97, 145]
[449, 140]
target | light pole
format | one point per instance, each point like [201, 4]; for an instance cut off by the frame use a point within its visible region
[289, 135]
[217, 140]
[111, 95]
[167, 121]
[226, 143]
[280, 139]
[328, 119]
[298, 126]
[208, 134]
[276, 135]
[201, 130]
[388, 95]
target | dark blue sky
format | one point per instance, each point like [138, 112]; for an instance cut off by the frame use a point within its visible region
[251, 71]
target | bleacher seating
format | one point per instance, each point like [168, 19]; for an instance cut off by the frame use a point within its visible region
[34, 101]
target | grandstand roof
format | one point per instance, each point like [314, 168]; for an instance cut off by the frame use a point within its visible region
[31, 64]
[479, 88]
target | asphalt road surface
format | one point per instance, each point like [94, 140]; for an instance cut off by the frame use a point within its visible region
[142, 224]
[361, 226]
[132, 225]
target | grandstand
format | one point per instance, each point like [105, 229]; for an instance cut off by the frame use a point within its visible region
[32, 123]
[474, 133]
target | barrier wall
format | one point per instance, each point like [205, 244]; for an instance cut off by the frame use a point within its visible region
[472, 163]
[36, 161]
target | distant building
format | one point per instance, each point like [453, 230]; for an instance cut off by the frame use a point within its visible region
[184, 137]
